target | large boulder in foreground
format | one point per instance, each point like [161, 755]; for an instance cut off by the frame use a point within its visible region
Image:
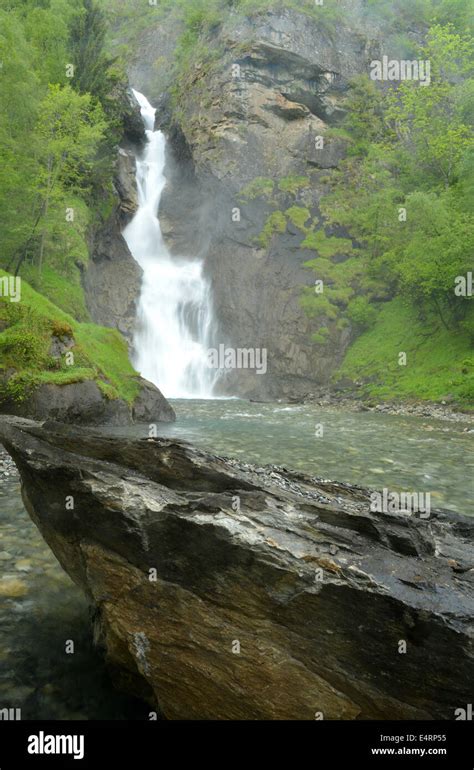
[224, 590]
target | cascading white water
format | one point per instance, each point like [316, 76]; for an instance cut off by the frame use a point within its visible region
[175, 323]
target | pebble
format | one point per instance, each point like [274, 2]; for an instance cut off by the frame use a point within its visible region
[13, 588]
[8, 468]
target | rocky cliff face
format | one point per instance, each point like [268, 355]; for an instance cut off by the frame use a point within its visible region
[223, 590]
[256, 114]
[112, 279]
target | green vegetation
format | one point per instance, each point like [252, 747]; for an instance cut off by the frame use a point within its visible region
[61, 115]
[59, 123]
[260, 187]
[299, 216]
[403, 15]
[27, 330]
[276, 223]
[439, 364]
[404, 193]
[66, 293]
[293, 184]
[277, 194]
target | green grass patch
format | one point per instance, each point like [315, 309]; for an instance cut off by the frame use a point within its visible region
[260, 187]
[27, 329]
[293, 184]
[299, 216]
[65, 293]
[326, 246]
[276, 223]
[440, 362]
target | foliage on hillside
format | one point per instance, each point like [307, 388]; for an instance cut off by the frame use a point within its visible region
[60, 121]
[404, 193]
[439, 364]
[401, 193]
[58, 131]
[27, 331]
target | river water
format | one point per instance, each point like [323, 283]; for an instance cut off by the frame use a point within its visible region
[370, 449]
[40, 608]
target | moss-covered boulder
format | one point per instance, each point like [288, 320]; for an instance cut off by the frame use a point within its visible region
[53, 367]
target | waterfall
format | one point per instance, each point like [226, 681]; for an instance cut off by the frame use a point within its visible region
[175, 320]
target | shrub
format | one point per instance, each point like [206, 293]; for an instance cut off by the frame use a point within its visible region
[293, 184]
[361, 313]
[260, 187]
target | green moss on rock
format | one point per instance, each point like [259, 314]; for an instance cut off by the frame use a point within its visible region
[28, 330]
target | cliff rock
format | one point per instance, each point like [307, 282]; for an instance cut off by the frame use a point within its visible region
[254, 114]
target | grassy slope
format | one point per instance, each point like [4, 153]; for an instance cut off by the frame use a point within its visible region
[440, 363]
[26, 327]
[64, 292]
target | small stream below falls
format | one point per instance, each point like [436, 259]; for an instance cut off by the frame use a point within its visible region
[40, 608]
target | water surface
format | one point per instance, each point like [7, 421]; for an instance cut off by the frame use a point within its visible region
[413, 454]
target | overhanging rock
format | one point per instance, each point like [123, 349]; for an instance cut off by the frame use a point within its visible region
[227, 591]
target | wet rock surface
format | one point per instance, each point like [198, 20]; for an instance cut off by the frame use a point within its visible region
[113, 278]
[225, 590]
[125, 185]
[83, 403]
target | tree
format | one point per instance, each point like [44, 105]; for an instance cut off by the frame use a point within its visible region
[405, 193]
[87, 45]
[19, 99]
[69, 130]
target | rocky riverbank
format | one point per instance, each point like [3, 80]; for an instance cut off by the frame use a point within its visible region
[437, 411]
[332, 399]
[218, 585]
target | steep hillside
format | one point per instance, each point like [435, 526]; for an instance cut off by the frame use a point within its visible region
[64, 106]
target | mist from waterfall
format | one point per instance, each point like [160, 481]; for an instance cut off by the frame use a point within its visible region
[174, 319]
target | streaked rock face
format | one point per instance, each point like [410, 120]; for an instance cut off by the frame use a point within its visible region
[223, 590]
[276, 86]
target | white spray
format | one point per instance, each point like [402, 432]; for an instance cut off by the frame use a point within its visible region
[175, 321]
